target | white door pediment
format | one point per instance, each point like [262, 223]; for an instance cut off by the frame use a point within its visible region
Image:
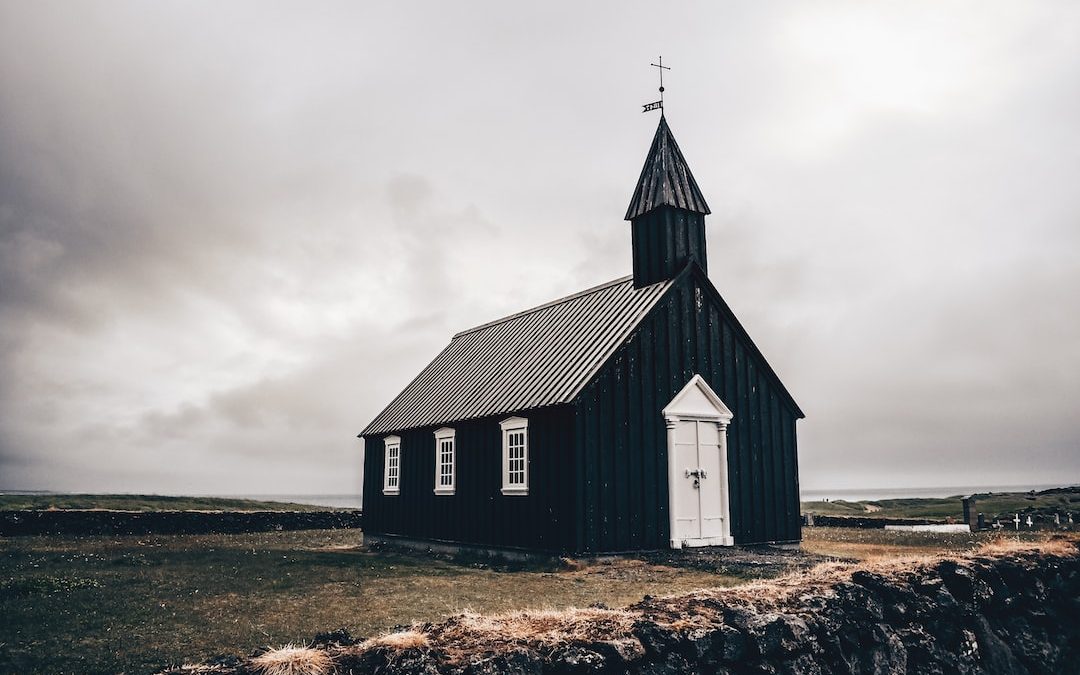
[697, 399]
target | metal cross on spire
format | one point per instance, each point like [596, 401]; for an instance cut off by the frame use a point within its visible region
[658, 104]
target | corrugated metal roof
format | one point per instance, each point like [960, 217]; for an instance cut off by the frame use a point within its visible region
[542, 356]
[665, 179]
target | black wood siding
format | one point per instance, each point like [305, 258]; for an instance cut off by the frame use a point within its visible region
[664, 241]
[622, 463]
[478, 512]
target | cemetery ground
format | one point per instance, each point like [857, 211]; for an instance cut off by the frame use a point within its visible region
[995, 505]
[134, 604]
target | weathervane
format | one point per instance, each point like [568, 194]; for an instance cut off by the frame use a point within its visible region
[658, 104]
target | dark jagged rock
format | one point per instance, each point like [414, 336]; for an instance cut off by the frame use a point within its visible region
[959, 580]
[733, 648]
[517, 662]
[338, 637]
[576, 660]
[702, 645]
[655, 639]
[619, 653]
[803, 665]
[859, 603]
[994, 652]
[673, 664]
[773, 634]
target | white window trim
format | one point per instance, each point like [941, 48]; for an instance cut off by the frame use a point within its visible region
[440, 436]
[388, 443]
[511, 425]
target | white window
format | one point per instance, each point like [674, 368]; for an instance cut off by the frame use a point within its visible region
[515, 433]
[444, 462]
[391, 465]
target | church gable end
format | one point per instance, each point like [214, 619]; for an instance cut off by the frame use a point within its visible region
[621, 431]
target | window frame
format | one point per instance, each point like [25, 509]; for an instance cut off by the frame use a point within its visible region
[510, 426]
[391, 442]
[442, 435]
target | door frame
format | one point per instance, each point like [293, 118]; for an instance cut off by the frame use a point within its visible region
[686, 407]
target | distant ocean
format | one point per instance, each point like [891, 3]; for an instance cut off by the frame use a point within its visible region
[873, 494]
[354, 501]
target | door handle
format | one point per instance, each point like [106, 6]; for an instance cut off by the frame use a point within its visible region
[696, 473]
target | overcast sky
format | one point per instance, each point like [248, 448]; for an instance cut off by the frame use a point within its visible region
[231, 232]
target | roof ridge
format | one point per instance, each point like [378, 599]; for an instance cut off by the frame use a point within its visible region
[552, 303]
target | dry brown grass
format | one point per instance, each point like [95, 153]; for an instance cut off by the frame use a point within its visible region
[408, 639]
[541, 627]
[292, 660]
[1056, 545]
[471, 633]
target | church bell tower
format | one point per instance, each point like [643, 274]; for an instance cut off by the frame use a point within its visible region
[666, 214]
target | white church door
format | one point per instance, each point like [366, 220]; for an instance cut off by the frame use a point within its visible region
[697, 423]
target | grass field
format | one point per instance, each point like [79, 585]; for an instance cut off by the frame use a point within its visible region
[134, 604]
[992, 505]
[145, 503]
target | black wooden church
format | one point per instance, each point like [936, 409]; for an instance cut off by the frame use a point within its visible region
[637, 414]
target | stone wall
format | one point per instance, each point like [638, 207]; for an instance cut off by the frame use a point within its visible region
[868, 522]
[87, 522]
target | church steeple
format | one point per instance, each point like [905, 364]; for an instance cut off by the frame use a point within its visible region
[666, 214]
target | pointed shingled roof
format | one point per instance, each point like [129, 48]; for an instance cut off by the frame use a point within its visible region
[666, 179]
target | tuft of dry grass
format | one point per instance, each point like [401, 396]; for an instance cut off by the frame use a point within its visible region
[292, 660]
[1005, 545]
[542, 626]
[541, 629]
[408, 639]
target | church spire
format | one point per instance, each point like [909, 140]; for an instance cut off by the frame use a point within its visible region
[666, 214]
[666, 179]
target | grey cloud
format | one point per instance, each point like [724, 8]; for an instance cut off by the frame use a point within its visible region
[230, 234]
